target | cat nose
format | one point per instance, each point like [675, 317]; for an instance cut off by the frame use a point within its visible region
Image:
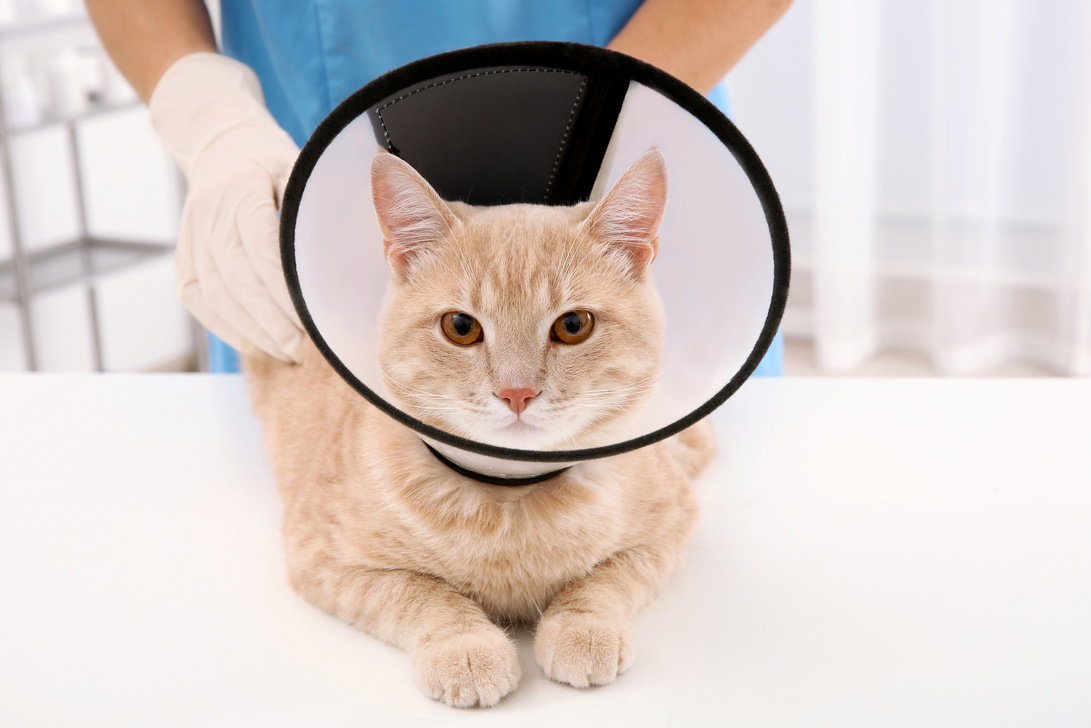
[517, 398]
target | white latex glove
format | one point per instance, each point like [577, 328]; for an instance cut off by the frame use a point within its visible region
[210, 114]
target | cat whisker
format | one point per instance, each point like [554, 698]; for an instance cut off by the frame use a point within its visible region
[467, 269]
[569, 436]
[627, 389]
[583, 260]
[571, 247]
[438, 410]
[537, 606]
[600, 414]
[613, 400]
[408, 389]
[567, 266]
[449, 269]
[564, 270]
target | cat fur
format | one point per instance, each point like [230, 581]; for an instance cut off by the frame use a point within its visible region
[381, 534]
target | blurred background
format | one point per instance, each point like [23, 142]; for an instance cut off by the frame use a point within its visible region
[89, 205]
[932, 156]
[933, 160]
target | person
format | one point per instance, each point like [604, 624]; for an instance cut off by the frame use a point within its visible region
[235, 122]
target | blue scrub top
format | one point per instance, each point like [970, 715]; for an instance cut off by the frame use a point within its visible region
[310, 55]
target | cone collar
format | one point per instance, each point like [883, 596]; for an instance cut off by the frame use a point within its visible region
[556, 124]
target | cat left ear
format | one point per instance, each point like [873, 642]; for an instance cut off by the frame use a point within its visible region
[411, 215]
[627, 219]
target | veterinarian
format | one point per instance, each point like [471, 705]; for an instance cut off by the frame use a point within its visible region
[235, 122]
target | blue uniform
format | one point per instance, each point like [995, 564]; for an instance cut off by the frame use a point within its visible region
[312, 54]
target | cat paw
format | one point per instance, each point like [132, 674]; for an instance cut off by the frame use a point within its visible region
[468, 670]
[582, 649]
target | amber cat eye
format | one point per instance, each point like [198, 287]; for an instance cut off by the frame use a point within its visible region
[573, 327]
[461, 328]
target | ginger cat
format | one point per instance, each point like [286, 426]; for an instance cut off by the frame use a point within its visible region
[522, 325]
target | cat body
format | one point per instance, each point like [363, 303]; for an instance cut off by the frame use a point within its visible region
[382, 534]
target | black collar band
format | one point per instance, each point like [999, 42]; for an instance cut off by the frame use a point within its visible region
[492, 479]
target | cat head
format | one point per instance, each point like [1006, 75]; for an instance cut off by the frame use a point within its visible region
[523, 326]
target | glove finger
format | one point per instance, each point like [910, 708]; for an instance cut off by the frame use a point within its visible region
[192, 298]
[272, 338]
[189, 288]
[215, 298]
[252, 255]
[259, 228]
[230, 287]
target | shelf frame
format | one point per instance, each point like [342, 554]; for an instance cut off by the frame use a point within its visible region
[81, 261]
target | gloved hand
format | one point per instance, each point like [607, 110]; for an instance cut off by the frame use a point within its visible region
[210, 114]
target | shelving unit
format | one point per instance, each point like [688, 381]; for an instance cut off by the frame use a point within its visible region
[81, 260]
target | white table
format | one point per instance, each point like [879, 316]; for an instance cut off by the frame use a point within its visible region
[872, 553]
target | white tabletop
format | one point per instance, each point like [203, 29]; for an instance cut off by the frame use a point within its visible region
[872, 553]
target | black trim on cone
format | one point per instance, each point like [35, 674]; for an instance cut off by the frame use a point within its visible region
[492, 479]
[610, 71]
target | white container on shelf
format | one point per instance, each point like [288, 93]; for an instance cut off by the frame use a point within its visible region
[9, 12]
[116, 89]
[57, 8]
[66, 81]
[22, 100]
[93, 68]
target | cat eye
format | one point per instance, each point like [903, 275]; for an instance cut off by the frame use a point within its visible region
[461, 328]
[573, 327]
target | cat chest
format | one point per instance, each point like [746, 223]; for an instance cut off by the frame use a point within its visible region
[517, 573]
[516, 584]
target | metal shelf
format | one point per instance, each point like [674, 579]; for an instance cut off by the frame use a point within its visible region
[80, 262]
[77, 262]
[95, 110]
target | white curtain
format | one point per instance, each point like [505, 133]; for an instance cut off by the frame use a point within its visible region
[934, 159]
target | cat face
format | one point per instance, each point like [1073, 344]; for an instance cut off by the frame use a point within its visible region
[522, 326]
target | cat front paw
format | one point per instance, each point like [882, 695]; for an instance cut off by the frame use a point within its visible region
[582, 649]
[468, 670]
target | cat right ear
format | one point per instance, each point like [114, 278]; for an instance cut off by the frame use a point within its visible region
[412, 216]
[627, 218]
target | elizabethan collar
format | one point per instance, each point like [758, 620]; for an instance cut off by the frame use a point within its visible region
[556, 124]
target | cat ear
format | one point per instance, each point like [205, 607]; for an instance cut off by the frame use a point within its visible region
[412, 216]
[627, 219]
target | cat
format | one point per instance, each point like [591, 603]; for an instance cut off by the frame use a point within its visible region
[523, 325]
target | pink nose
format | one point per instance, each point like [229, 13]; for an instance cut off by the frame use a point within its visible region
[517, 398]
